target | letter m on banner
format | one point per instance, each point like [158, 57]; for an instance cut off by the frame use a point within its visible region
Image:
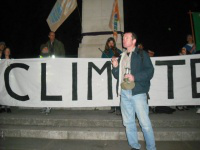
[60, 12]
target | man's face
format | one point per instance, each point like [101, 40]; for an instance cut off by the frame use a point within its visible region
[151, 53]
[128, 41]
[45, 50]
[189, 38]
[183, 51]
[140, 46]
[111, 44]
[7, 52]
[52, 36]
[2, 46]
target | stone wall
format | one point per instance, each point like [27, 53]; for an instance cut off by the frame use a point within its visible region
[95, 18]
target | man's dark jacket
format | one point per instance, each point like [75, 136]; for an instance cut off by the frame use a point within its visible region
[59, 50]
[141, 68]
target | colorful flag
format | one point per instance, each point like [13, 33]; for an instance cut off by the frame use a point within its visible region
[114, 19]
[60, 12]
[196, 20]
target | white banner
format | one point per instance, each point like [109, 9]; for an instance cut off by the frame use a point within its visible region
[65, 82]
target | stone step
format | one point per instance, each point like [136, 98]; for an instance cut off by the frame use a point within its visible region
[13, 143]
[89, 118]
[66, 122]
[101, 133]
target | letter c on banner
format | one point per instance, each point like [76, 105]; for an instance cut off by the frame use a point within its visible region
[7, 83]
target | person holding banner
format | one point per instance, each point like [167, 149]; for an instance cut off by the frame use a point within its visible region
[134, 70]
[6, 55]
[55, 46]
[190, 46]
[44, 51]
[110, 51]
[183, 51]
[2, 47]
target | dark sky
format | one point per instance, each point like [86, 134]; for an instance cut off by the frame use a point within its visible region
[161, 26]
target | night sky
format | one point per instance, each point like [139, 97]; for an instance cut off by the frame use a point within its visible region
[162, 26]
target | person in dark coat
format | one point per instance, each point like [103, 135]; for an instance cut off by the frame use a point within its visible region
[56, 47]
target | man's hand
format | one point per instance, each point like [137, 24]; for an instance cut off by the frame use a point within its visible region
[130, 77]
[114, 62]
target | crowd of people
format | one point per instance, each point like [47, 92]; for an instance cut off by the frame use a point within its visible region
[55, 48]
[51, 49]
[133, 96]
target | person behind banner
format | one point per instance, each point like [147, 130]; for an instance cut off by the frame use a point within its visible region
[2, 47]
[190, 46]
[140, 46]
[44, 53]
[56, 47]
[150, 52]
[183, 51]
[110, 51]
[6, 55]
[134, 101]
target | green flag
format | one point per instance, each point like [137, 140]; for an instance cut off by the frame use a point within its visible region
[196, 20]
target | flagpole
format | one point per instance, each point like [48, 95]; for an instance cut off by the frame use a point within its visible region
[192, 26]
[121, 34]
[79, 16]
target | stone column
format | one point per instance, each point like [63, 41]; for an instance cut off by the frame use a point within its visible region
[95, 18]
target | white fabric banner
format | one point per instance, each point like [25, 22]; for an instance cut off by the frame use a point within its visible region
[66, 82]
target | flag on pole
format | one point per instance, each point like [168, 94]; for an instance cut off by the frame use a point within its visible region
[114, 19]
[196, 21]
[60, 12]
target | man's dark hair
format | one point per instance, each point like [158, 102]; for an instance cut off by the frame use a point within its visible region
[134, 36]
[52, 32]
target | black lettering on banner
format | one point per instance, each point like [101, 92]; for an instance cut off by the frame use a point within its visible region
[195, 79]
[7, 82]
[44, 96]
[100, 71]
[74, 82]
[170, 64]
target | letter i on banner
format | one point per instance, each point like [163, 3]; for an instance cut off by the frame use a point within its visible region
[114, 19]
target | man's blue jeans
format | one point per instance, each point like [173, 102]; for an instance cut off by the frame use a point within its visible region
[137, 104]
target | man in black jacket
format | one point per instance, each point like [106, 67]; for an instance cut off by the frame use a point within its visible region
[134, 101]
[55, 46]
